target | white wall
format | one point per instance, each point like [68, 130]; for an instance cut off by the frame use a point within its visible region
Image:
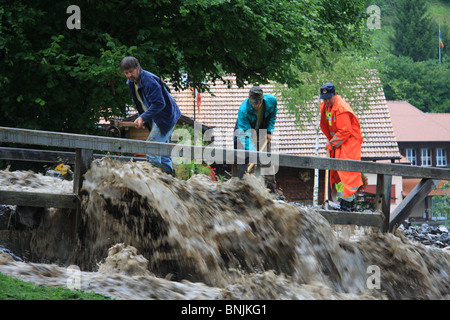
[396, 180]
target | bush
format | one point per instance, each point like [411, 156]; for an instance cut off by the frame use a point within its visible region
[186, 170]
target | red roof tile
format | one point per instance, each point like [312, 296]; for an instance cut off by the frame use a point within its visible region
[220, 107]
[411, 124]
[410, 184]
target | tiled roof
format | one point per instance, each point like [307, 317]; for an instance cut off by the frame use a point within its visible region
[413, 125]
[410, 184]
[219, 109]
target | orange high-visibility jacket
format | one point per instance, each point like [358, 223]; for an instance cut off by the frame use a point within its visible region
[343, 131]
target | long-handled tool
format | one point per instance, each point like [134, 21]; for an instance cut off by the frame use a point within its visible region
[327, 178]
[250, 167]
[127, 124]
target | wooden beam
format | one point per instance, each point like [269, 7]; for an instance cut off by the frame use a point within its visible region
[363, 166]
[39, 199]
[416, 196]
[374, 219]
[383, 199]
[37, 155]
[213, 154]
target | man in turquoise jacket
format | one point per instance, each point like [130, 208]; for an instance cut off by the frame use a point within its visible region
[256, 120]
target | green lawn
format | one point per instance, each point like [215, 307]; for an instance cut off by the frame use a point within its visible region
[14, 289]
[438, 10]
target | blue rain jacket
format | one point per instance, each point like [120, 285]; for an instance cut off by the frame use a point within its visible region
[159, 104]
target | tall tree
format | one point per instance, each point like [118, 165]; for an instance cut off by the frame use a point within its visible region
[424, 84]
[53, 77]
[414, 35]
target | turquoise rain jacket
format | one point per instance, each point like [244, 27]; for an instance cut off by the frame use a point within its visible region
[247, 120]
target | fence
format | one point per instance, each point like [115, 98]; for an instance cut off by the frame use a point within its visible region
[85, 145]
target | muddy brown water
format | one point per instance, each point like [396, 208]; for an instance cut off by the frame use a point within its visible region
[147, 235]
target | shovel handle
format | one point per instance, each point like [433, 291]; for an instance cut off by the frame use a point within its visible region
[127, 124]
[250, 167]
[327, 175]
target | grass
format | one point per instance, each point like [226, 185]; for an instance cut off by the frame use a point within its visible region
[439, 12]
[15, 289]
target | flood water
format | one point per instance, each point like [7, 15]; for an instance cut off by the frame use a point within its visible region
[147, 235]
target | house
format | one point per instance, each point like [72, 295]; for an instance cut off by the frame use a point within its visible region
[219, 107]
[424, 140]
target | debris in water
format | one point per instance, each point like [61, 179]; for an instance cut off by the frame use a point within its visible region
[428, 235]
[12, 255]
[124, 260]
[147, 235]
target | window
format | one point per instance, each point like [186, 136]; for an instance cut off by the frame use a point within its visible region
[437, 206]
[411, 156]
[426, 157]
[441, 157]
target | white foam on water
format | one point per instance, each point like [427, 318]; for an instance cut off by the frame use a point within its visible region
[147, 235]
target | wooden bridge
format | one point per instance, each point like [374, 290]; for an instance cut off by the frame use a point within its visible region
[85, 145]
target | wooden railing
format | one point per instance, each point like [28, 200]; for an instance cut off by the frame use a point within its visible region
[85, 145]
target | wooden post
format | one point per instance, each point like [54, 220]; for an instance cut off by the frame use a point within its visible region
[83, 158]
[417, 195]
[383, 199]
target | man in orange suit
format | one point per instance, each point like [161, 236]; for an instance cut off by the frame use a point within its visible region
[341, 127]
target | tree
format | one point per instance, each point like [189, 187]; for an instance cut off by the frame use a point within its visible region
[424, 84]
[61, 79]
[414, 35]
[441, 203]
[346, 70]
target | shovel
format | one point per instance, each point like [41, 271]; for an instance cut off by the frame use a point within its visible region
[250, 167]
[327, 178]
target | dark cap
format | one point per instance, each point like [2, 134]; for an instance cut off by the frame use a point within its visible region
[327, 91]
[256, 95]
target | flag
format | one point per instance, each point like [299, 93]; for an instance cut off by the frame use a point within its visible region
[198, 99]
[440, 38]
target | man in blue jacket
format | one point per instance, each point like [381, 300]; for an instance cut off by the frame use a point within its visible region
[256, 120]
[157, 109]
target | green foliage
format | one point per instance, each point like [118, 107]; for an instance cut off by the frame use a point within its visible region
[258, 40]
[441, 203]
[414, 32]
[345, 70]
[408, 73]
[55, 78]
[185, 170]
[60, 79]
[15, 289]
[424, 84]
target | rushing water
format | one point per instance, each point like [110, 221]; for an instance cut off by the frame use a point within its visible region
[147, 235]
